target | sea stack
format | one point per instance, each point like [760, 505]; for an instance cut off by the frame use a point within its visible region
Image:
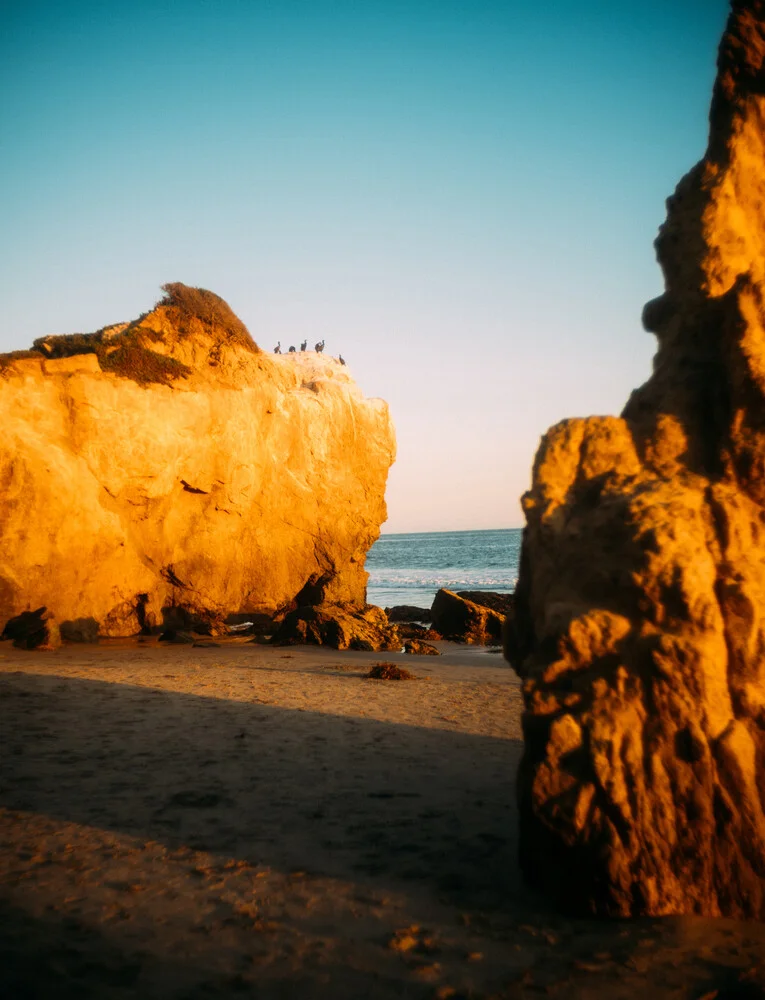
[639, 628]
[168, 470]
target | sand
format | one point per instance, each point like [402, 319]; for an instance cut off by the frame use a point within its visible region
[241, 820]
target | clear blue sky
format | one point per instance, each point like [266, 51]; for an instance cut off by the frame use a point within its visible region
[459, 196]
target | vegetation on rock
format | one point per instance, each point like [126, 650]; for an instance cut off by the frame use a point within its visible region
[184, 304]
[127, 350]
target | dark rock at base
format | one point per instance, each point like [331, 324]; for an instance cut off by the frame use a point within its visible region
[177, 637]
[260, 624]
[206, 644]
[419, 648]
[407, 613]
[188, 618]
[80, 630]
[463, 620]
[33, 630]
[340, 627]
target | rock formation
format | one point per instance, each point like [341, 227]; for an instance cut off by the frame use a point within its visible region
[640, 611]
[469, 615]
[167, 471]
[339, 627]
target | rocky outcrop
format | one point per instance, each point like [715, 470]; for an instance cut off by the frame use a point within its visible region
[640, 609]
[167, 472]
[339, 627]
[460, 619]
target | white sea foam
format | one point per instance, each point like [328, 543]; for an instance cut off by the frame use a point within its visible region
[409, 569]
[462, 579]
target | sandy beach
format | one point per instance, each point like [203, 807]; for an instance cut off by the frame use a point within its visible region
[242, 820]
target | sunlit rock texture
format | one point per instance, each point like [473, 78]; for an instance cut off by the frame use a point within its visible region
[168, 469]
[640, 617]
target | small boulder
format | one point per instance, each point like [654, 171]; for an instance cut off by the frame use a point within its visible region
[419, 648]
[338, 626]
[80, 630]
[463, 620]
[407, 613]
[33, 630]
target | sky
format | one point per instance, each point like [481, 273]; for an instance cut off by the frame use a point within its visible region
[459, 196]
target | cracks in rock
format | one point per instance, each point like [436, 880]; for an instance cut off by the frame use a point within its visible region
[720, 529]
[168, 573]
[193, 489]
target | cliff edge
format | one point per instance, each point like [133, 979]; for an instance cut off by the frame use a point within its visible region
[167, 469]
[640, 611]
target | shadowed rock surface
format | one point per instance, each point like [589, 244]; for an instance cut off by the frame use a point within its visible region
[167, 473]
[80, 630]
[33, 630]
[640, 609]
[407, 613]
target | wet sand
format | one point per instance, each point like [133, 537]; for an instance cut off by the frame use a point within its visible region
[183, 822]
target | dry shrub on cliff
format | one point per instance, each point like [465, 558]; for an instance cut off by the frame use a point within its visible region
[389, 672]
[185, 304]
[66, 345]
[126, 353]
[123, 354]
[6, 360]
[131, 359]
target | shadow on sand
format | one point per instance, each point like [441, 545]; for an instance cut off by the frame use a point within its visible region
[425, 812]
[378, 820]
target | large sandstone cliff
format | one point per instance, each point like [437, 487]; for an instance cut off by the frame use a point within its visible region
[174, 469]
[640, 612]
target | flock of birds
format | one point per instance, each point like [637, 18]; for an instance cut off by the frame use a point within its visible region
[319, 348]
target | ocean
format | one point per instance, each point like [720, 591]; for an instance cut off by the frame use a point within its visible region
[410, 568]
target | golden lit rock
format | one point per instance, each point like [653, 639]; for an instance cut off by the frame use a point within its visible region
[170, 464]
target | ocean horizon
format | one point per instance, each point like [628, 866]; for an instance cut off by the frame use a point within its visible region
[409, 567]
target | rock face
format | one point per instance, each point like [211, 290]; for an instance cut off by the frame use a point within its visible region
[640, 610]
[168, 472]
